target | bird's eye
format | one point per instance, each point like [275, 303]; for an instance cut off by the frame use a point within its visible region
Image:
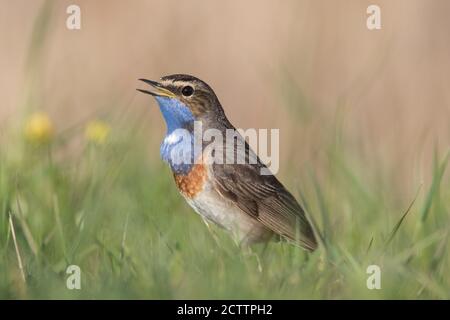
[187, 91]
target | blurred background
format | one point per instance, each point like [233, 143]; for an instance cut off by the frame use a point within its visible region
[363, 115]
[389, 87]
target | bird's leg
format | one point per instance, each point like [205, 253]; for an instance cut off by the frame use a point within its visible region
[211, 232]
[247, 251]
[216, 240]
[266, 245]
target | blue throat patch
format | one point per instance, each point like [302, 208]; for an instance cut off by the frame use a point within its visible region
[177, 148]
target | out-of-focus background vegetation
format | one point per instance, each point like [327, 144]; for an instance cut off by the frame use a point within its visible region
[364, 127]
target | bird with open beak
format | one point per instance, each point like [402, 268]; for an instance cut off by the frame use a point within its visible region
[253, 207]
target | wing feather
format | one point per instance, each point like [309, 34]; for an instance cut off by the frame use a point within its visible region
[264, 198]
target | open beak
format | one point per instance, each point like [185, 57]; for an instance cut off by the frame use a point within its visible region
[159, 90]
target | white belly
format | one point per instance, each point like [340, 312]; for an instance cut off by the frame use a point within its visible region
[223, 212]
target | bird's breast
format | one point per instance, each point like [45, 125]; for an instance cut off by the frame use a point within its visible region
[199, 191]
[193, 182]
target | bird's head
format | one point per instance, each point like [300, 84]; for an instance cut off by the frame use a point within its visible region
[184, 99]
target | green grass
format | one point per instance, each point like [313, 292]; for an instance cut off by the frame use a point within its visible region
[114, 211]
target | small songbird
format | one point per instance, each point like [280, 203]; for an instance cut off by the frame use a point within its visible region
[254, 207]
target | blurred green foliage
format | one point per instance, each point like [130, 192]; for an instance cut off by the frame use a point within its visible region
[112, 209]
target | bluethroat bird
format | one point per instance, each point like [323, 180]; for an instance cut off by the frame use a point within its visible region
[253, 207]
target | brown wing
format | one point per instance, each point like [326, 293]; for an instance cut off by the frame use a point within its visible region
[264, 198]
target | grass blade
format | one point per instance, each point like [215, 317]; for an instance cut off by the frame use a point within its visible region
[435, 185]
[16, 246]
[399, 223]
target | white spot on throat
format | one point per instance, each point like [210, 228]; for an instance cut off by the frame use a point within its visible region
[173, 138]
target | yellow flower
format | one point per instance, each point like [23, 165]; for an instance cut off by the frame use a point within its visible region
[97, 132]
[39, 128]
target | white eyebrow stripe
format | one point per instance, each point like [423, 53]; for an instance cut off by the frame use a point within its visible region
[177, 82]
